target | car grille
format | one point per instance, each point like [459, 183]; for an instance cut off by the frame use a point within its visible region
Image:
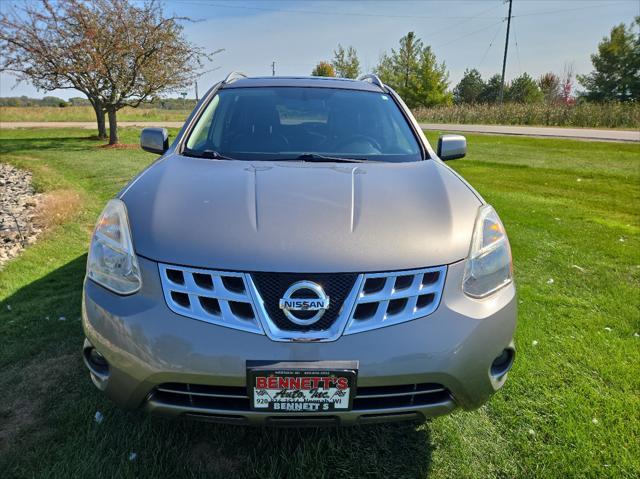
[391, 298]
[250, 301]
[218, 297]
[272, 286]
[235, 399]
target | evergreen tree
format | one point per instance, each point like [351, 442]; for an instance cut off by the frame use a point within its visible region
[414, 73]
[524, 89]
[491, 91]
[470, 87]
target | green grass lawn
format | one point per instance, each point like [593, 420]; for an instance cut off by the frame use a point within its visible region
[570, 408]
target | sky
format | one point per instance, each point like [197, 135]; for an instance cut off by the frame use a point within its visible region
[545, 35]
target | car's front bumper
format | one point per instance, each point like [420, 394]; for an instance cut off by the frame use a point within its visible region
[147, 345]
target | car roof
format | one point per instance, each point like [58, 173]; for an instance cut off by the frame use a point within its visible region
[304, 82]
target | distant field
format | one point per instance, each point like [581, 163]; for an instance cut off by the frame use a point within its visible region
[571, 406]
[85, 113]
[584, 115]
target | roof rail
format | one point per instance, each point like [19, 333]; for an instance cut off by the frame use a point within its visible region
[233, 76]
[372, 78]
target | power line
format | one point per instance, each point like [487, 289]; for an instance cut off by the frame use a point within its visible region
[470, 33]
[515, 37]
[388, 15]
[318, 12]
[499, 29]
[550, 12]
[457, 24]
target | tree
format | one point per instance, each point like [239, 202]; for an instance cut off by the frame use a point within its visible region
[617, 66]
[491, 91]
[524, 89]
[115, 52]
[415, 74]
[346, 63]
[323, 69]
[470, 87]
[549, 84]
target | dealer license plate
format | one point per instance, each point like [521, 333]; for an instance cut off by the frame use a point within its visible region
[301, 387]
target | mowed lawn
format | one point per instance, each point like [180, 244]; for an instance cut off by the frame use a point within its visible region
[571, 406]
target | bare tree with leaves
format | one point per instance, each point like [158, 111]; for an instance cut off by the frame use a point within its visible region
[550, 85]
[114, 51]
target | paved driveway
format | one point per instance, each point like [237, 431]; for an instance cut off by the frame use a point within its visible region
[543, 131]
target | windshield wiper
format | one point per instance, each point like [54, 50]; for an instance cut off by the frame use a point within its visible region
[323, 158]
[209, 154]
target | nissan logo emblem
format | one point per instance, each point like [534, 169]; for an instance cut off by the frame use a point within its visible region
[304, 296]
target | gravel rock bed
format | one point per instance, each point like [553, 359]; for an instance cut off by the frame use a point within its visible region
[18, 212]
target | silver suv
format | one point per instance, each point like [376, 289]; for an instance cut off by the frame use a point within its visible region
[299, 254]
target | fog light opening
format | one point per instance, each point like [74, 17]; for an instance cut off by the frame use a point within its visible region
[96, 362]
[502, 364]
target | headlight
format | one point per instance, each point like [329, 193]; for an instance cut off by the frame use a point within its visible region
[112, 261]
[489, 266]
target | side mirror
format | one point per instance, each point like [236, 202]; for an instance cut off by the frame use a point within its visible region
[451, 147]
[154, 140]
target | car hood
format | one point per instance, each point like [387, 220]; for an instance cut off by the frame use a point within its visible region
[300, 217]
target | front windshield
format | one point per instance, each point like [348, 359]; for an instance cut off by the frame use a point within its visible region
[284, 123]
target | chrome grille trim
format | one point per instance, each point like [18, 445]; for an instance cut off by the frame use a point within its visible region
[206, 394]
[235, 399]
[409, 393]
[425, 283]
[330, 334]
[401, 296]
[196, 294]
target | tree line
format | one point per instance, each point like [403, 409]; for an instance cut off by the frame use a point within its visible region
[162, 103]
[414, 72]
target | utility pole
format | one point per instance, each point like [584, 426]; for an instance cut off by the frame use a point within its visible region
[273, 68]
[196, 92]
[504, 61]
